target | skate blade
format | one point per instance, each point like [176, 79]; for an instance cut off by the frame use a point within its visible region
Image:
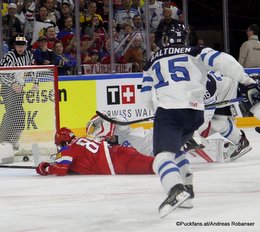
[243, 152]
[167, 209]
[186, 204]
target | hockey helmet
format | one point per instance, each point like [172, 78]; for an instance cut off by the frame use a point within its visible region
[64, 136]
[176, 35]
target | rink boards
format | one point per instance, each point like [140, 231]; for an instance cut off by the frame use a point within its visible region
[114, 94]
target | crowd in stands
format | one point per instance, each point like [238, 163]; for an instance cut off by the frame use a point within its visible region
[49, 26]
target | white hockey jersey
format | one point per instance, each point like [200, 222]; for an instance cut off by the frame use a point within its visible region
[175, 76]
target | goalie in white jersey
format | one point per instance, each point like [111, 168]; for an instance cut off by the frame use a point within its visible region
[174, 81]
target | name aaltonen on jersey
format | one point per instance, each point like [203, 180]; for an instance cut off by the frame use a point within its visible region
[171, 51]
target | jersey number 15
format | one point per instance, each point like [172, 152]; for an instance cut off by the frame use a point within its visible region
[177, 72]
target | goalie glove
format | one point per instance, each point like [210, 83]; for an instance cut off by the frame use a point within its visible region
[253, 93]
[42, 168]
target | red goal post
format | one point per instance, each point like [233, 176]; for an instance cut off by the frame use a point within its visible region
[40, 106]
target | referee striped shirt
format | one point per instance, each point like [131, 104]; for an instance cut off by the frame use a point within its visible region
[12, 58]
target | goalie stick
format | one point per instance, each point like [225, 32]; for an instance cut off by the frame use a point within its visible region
[126, 123]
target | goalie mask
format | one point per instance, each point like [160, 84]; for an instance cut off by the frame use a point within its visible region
[99, 128]
[63, 137]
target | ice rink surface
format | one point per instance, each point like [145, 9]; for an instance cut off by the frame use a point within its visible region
[227, 197]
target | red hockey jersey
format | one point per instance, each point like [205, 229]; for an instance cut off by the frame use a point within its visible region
[86, 156]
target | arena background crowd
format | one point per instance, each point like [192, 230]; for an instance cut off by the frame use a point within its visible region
[50, 27]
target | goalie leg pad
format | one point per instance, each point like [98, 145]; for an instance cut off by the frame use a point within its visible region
[6, 153]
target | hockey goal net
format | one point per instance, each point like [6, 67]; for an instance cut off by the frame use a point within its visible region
[29, 111]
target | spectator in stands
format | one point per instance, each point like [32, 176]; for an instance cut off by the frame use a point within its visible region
[67, 33]
[4, 8]
[249, 57]
[29, 20]
[50, 37]
[136, 5]
[172, 5]
[249, 54]
[91, 12]
[82, 11]
[93, 57]
[20, 14]
[53, 14]
[41, 22]
[155, 14]
[5, 47]
[65, 62]
[71, 2]
[165, 26]
[71, 46]
[124, 14]
[116, 37]
[11, 25]
[68, 29]
[43, 55]
[12, 93]
[95, 26]
[86, 43]
[138, 28]
[106, 51]
[126, 37]
[134, 54]
[65, 11]
[103, 10]
[154, 46]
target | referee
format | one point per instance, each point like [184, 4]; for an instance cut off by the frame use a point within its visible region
[13, 122]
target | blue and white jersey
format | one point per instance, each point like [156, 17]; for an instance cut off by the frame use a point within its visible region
[155, 14]
[123, 15]
[218, 88]
[175, 76]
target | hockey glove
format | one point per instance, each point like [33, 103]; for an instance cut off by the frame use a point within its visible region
[253, 93]
[42, 168]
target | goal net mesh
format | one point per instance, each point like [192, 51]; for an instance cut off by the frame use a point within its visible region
[27, 108]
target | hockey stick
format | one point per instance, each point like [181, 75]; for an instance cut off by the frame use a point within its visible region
[103, 116]
[126, 123]
[203, 155]
[17, 166]
[238, 99]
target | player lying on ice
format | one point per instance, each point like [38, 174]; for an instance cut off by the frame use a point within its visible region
[88, 156]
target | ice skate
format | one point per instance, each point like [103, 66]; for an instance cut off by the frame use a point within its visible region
[177, 195]
[188, 203]
[242, 148]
